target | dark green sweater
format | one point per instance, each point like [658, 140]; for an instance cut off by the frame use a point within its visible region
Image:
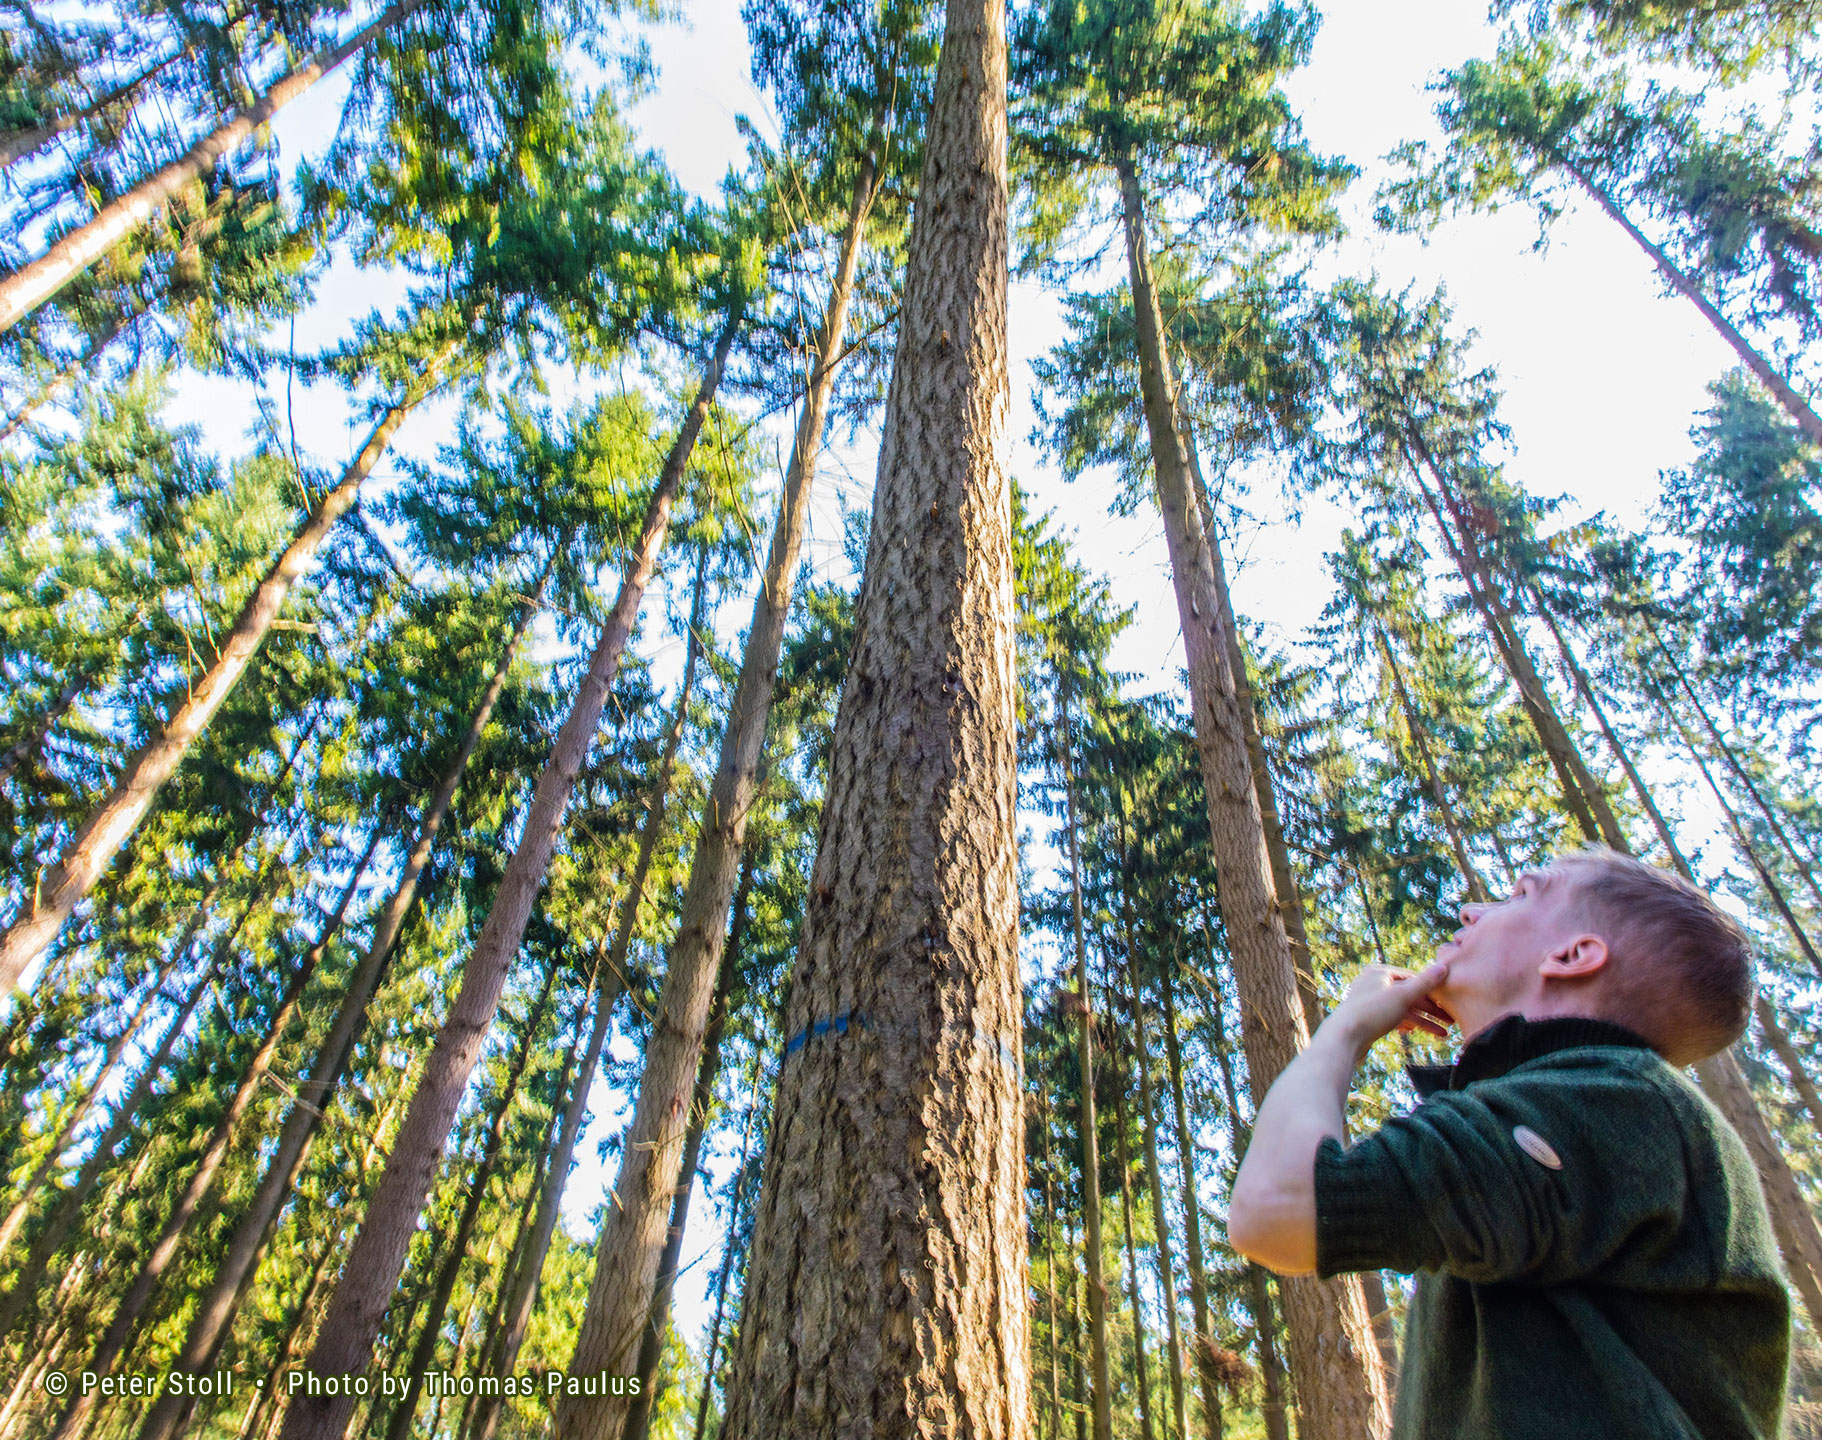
[1592, 1250]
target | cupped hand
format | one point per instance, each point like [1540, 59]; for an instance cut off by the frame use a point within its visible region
[1384, 998]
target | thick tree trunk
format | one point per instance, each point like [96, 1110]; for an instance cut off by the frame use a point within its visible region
[90, 851]
[31, 285]
[1141, 1365]
[1213, 1421]
[69, 1205]
[1088, 1126]
[1341, 1381]
[633, 1232]
[887, 1287]
[1800, 409]
[430, 1331]
[702, 1101]
[216, 1306]
[202, 1179]
[345, 1344]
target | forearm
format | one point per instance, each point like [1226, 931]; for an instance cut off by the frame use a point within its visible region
[1272, 1212]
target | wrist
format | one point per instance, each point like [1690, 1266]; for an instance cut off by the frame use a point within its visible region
[1344, 1038]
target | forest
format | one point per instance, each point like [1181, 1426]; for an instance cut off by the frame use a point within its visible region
[534, 909]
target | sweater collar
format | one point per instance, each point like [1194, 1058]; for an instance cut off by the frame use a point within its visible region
[1506, 1044]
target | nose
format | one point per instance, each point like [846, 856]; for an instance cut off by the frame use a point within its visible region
[1471, 912]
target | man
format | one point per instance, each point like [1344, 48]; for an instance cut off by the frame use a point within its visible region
[1592, 1250]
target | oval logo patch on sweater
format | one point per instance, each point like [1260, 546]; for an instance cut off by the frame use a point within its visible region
[1538, 1148]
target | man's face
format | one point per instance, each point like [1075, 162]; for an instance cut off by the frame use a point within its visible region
[1495, 956]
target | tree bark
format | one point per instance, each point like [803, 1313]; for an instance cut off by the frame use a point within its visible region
[92, 849]
[215, 1308]
[31, 285]
[1800, 409]
[1093, 1252]
[887, 1287]
[633, 1231]
[1341, 1381]
[456, 1248]
[702, 1101]
[352, 1323]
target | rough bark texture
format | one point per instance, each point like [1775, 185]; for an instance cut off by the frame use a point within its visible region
[31, 285]
[1088, 1127]
[216, 1306]
[352, 1322]
[633, 1231]
[887, 1290]
[1341, 1381]
[1800, 409]
[90, 851]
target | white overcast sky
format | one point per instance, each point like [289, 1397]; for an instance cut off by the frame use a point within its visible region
[1602, 375]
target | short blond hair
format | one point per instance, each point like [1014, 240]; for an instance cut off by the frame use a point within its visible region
[1683, 971]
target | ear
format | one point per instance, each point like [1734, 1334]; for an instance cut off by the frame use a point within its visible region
[1577, 959]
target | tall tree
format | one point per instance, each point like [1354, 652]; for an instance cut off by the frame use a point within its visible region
[886, 1289]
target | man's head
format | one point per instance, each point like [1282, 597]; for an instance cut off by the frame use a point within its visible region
[1601, 934]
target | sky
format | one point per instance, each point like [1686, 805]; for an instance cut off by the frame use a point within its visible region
[1602, 375]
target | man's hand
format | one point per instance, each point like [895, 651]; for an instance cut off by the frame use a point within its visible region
[1271, 1216]
[1383, 999]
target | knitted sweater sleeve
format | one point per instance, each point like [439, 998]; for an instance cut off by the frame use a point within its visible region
[1552, 1173]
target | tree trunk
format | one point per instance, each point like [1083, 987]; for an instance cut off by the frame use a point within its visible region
[1340, 1378]
[1141, 1367]
[525, 1280]
[1050, 1272]
[1087, 1123]
[352, 1323]
[633, 1232]
[725, 1273]
[202, 1179]
[1800, 409]
[1148, 1118]
[1477, 888]
[887, 1289]
[1274, 1411]
[116, 1047]
[31, 285]
[456, 1248]
[27, 745]
[1582, 795]
[1739, 770]
[702, 1101]
[16, 145]
[89, 852]
[69, 1205]
[1793, 1063]
[216, 1306]
[1213, 1421]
